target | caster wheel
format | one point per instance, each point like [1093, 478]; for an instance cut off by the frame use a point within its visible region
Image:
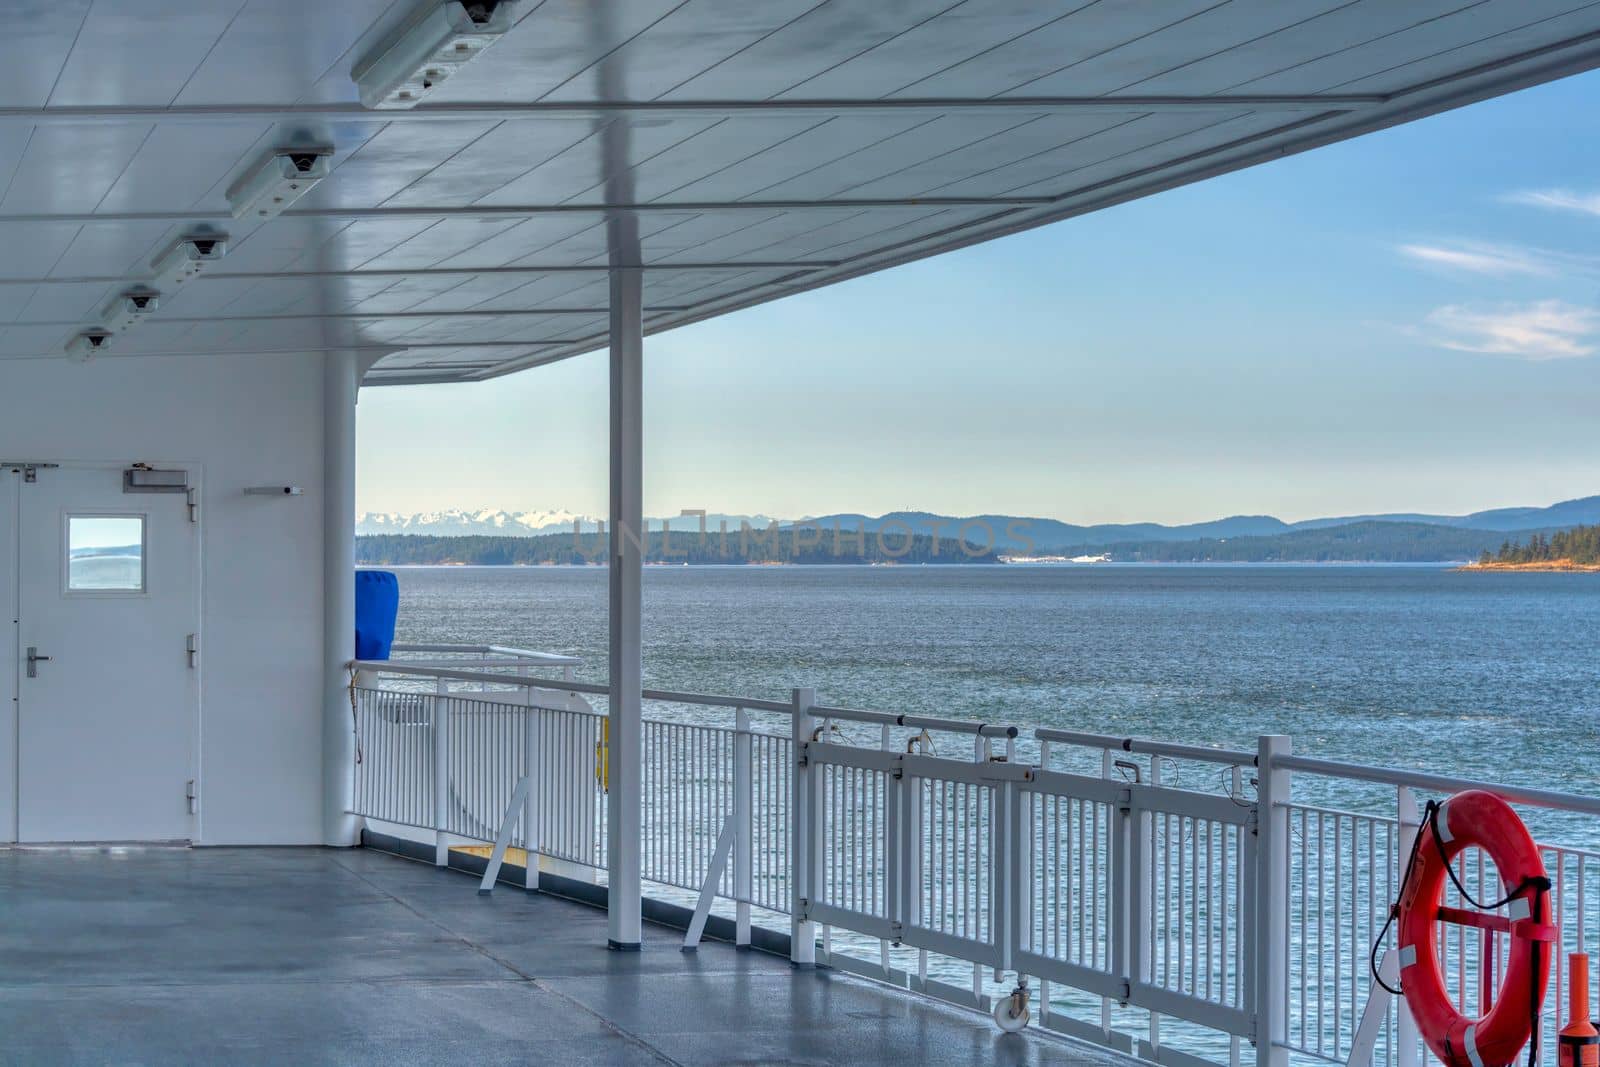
[1006, 1016]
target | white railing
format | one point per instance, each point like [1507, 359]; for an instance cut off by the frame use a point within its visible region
[1175, 901]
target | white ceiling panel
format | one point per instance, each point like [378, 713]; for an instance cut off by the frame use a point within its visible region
[550, 290]
[1056, 170]
[929, 141]
[834, 139]
[140, 51]
[1507, 27]
[1084, 31]
[13, 299]
[501, 155]
[119, 250]
[66, 303]
[405, 293]
[393, 159]
[953, 36]
[588, 245]
[715, 148]
[177, 166]
[273, 50]
[1051, 133]
[38, 38]
[683, 44]
[475, 291]
[823, 38]
[527, 240]
[278, 246]
[554, 42]
[761, 147]
[1351, 25]
[443, 239]
[35, 340]
[1112, 160]
[617, 149]
[352, 246]
[43, 185]
[33, 248]
[1220, 28]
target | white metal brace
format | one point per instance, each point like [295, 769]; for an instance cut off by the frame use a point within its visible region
[708, 888]
[1376, 1011]
[503, 838]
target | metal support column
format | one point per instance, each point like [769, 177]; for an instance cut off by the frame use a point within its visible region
[341, 377]
[1272, 903]
[805, 839]
[626, 566]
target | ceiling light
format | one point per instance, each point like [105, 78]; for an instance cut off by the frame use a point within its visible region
[429, 47]
[278, 181]
[87, 345]
[129, 309]
[191, 254]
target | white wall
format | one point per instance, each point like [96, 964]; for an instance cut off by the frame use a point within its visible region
[242, 421]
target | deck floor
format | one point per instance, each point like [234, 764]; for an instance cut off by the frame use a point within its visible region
[351, 956]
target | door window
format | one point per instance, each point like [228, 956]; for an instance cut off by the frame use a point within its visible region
[105, 554]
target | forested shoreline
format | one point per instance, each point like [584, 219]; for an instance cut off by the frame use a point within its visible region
[1579, 546]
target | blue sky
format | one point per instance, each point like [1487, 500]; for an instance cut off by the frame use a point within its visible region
[1408, 321]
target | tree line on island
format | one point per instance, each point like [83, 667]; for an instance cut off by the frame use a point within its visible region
[1354, 542]
[1579, 546]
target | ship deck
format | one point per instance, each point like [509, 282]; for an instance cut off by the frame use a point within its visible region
[310, 955]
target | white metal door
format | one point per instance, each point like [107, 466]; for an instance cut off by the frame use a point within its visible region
[9, 482]
[107, 710]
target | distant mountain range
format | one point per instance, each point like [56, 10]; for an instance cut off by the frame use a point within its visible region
[1017, 533]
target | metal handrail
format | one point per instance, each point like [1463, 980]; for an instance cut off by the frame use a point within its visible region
[922, 722]
[712, 701]
[883, 718]
[1173, 749]
[1544, 798]
[554, 685]
[551, 658]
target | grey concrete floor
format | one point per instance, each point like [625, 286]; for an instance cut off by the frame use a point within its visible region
[169, 956]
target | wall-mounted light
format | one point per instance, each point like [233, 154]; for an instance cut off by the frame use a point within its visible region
[191, 254]
[438, 39]
[283, 177]
[87, 345]
[129, 309]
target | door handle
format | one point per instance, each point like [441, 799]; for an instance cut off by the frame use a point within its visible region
[34, 659]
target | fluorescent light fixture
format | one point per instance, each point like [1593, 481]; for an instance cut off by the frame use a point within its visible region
[88, 344]
[190, 255]
[430, 46]
[278, 181]
[129, 309]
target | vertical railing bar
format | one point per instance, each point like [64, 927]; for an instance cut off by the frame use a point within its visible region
[1338, 912]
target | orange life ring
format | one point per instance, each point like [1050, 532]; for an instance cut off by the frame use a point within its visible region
[1476, 818]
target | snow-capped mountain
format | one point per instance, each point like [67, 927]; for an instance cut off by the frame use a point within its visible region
[456, 522]
[493, 522]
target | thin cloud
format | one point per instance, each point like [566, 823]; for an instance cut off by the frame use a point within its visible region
[1558, 200]
[1545, 330]
[1497, 261]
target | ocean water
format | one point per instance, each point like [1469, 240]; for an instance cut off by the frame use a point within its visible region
[1492, 676]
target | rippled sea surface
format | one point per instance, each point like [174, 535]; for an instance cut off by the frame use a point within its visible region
[1481, 675]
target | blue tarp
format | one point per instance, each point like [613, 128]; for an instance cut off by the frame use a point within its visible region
[377, 605]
